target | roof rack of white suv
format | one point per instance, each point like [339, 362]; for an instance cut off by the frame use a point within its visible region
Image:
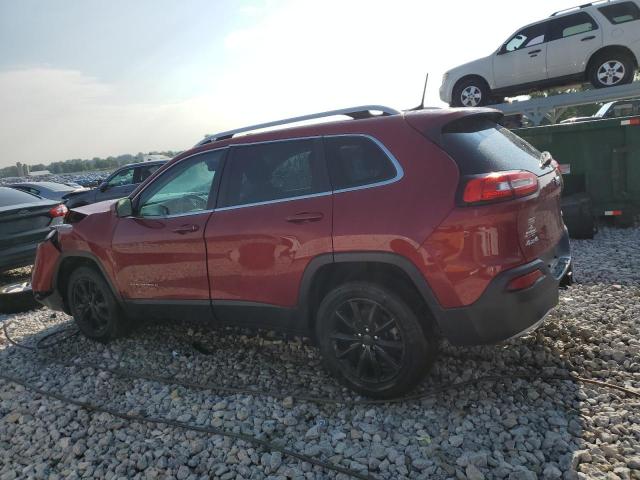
[356, 113]
[580, 7]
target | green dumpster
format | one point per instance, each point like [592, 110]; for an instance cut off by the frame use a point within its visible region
[600, 158]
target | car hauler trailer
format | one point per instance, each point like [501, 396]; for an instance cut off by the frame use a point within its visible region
[600, 160]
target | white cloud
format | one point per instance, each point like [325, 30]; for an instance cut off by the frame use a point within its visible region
[285, 58]
[49, 114]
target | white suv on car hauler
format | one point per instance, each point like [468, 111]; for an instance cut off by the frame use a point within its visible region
[598, 42]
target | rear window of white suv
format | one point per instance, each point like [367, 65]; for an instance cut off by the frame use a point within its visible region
[621, 12]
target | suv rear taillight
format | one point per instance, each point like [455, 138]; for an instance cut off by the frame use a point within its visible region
[58, 211]
[497, 186]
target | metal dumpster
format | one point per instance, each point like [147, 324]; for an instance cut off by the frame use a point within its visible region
[600, 158]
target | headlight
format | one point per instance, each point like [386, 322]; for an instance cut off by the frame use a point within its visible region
[445, 76]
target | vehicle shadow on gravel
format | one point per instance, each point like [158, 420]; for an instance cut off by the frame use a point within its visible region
[506, 428]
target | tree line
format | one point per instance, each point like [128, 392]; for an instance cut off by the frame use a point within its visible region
[77, 165]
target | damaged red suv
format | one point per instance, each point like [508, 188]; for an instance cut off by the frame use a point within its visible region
[374, 235]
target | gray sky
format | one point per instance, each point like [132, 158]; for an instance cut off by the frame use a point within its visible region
[97, 78]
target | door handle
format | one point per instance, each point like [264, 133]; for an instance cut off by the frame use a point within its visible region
[534, 51]
[186, 229]
[588, 38]
[304, 217]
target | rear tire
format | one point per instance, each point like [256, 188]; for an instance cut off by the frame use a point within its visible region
[610, 69]
[372, 341]
[471, 92]
[93, 306]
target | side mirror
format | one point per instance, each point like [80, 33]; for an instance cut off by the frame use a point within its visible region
[124, 208]
[103, 186]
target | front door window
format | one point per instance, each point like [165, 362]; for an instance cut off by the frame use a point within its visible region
[183, 189]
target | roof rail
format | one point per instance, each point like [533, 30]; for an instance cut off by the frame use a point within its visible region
[579, 7]
[357, 113]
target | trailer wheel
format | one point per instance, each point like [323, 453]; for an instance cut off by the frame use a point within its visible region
[577, 213]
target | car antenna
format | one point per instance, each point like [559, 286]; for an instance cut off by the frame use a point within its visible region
[424, 92]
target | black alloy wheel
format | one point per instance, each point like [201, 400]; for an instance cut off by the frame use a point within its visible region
[366, 339]
[93, 305]
[372, 341]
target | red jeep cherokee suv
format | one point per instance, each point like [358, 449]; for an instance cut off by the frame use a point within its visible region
[373, 235]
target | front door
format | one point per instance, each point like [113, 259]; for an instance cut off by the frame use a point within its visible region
[159, 252]
[273, 216]
[522, 59]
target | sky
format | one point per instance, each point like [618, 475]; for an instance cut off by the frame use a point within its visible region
[93, 78]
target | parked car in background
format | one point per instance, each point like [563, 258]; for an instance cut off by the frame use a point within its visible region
[620, 108]
[598, 42]
[50, 190]
[25, 221]
[117, 185]
[373, 236]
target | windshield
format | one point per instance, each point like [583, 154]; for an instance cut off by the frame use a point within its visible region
[603, 110]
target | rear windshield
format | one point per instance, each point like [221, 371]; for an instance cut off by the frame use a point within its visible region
[55, 187]
[479, 145]
[11, 196]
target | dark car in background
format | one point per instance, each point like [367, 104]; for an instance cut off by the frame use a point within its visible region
[117, 185]
[51, 190]
[25, 221]
[621, 108]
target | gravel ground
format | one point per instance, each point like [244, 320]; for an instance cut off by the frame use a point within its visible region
[513, 429]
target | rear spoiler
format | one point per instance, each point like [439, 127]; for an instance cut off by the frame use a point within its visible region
[433, 123]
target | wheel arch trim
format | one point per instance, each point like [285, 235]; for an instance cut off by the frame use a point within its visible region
[64, 256]
[388, 258]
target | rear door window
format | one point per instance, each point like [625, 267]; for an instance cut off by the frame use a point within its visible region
[356, 161]
[479, 145]
[621, 12]
[570, 25]
[273, 171]
[142, 173]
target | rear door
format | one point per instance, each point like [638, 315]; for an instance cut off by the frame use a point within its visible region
[572, 40]
[274, 215]
[159, 252]
[522, 59]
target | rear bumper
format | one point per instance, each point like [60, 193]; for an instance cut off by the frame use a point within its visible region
[499, 314]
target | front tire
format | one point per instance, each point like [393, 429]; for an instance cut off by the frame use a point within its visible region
[372, 341]
[611, 69]
[471, 92]
[93, 306]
